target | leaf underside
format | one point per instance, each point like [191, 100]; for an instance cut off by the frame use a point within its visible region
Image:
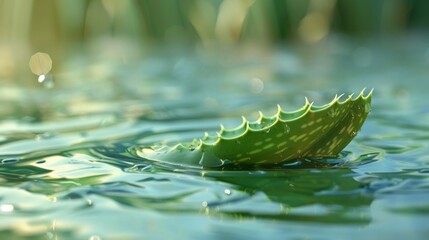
[310, 132]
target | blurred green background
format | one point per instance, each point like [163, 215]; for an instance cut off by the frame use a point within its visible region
[127, 28]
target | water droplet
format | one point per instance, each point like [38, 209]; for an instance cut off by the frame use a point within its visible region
[41, 78]
[367, 107]
[286, 128]
[204, 204]
[10, 160]
[46, 81]
[89, 202]
[353, 133]
[227, 191]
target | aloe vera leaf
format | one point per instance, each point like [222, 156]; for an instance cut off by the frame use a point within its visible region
[311, 131]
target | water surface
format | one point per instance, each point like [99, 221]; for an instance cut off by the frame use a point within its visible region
[69, 169]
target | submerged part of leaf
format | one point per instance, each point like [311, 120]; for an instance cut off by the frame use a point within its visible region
[312, 131]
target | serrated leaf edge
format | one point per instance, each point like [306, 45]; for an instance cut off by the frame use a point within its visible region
[246, 126]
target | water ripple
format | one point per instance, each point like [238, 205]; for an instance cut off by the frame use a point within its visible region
[69, 168]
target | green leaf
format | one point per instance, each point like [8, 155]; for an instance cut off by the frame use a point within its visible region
[310, 132]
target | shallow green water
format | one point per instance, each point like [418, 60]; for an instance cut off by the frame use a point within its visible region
[69, 168]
